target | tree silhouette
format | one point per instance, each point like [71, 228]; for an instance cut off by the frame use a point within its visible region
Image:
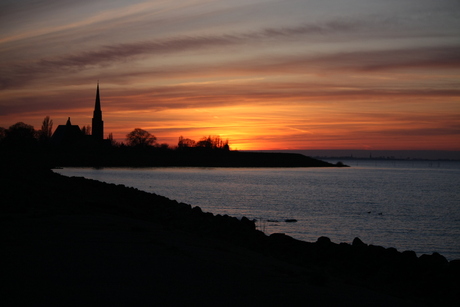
[2, 134]
[44, 135]
[205, 142]
[86, 130]
[185, 142]
[213, 142]
[140, 138]
[20, 135]
[112, 142]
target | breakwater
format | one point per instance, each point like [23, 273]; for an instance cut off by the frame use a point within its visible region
[428, 278]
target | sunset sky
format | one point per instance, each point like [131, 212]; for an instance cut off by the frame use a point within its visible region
[328, 74]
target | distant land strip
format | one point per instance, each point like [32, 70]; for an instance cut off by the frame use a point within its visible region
[376, 154]
[156, 157]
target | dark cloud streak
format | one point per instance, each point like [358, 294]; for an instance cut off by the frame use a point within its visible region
[333, 27]
[20, 74]
[209, 96]
[446, 57]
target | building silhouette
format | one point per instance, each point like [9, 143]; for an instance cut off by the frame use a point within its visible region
[98, 124]
[68, 134]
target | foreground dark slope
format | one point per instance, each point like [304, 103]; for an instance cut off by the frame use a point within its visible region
[75, 241]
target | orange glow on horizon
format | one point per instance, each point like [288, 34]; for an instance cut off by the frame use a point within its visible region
[275, 123]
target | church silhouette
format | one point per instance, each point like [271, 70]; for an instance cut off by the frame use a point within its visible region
[98, 124]
[72, 135]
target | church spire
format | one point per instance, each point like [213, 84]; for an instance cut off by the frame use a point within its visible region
[97, 106]
[98, 124]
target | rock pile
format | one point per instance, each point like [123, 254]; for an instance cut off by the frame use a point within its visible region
[426, 278]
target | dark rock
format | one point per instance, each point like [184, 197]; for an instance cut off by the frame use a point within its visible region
[409, 256]
[248, 223]
[197, 209]
[376, 251]
[454, 269]
[439, 259]
[344, 249]
[433, 260]
[358, 243]
[323, 241]
[281, 241]
[280, 237]
[319, 278]
[455, 264]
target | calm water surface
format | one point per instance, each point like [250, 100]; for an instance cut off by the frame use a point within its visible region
[410, 205]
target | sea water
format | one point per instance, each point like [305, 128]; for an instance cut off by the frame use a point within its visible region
[409, 205]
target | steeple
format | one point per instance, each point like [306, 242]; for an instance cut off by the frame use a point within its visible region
[97, 106]
[98, 124]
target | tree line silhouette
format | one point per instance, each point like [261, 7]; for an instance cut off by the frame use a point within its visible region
[21, 135]
[140, 148]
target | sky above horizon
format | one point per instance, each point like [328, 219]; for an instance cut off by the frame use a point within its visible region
[291, 74]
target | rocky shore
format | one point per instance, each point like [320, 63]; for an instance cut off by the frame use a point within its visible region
[74, 241]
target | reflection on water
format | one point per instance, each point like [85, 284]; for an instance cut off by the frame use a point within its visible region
[410, 205]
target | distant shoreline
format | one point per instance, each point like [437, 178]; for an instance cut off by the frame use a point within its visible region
[436, 155]
[193, 158]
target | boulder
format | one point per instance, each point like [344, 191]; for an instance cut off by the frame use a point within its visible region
[358, 243]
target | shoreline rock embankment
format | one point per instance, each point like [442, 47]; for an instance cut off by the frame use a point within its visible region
[33, 195]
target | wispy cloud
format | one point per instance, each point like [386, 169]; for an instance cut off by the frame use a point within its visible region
[322, 28]
[257, 93]
[20, 72]
[446, 57]
[101, 18]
